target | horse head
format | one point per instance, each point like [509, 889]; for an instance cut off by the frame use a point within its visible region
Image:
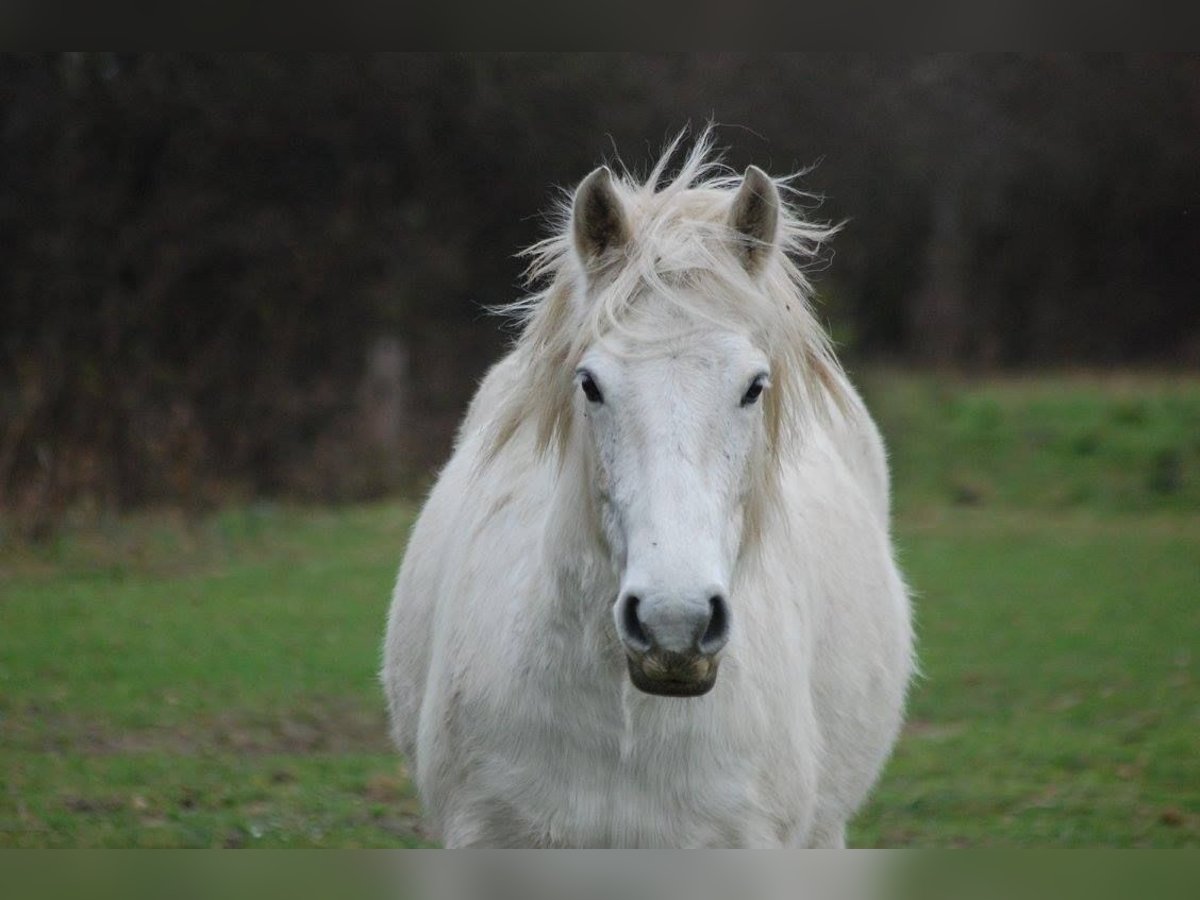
[673, 430]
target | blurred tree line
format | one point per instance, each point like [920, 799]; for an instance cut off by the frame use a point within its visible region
[264, 274]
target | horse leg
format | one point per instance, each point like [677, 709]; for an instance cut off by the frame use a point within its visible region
[488, 824]
[828, 836]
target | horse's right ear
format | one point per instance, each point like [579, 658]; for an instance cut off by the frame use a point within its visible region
[598, 220]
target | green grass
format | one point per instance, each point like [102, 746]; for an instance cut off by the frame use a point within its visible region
[166, 682]
[1060, 698]
[212, 684]
[1113, 443]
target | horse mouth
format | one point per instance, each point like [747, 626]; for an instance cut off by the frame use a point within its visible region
[693, 680]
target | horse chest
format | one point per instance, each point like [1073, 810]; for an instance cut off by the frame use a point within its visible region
[639, 772]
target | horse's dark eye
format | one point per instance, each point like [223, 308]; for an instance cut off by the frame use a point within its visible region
[755, 390]
[590, 389]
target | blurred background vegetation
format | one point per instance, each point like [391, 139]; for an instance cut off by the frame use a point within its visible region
[235, 276]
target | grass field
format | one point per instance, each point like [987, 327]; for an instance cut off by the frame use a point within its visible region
[166, 682]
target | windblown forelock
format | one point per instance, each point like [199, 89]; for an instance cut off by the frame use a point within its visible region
[681, 253]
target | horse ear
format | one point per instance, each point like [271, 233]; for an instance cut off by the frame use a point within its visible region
[754, 218]
[598, 219]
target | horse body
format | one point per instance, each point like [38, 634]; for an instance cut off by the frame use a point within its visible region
[519, 701]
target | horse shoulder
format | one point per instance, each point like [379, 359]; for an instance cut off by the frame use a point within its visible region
[410, 616]
[473, 540]
[420, 583]
[858, 603]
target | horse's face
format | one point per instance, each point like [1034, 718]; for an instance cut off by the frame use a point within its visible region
[676, 429]
[675, 434]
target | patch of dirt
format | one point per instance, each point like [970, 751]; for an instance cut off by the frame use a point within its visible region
[100, 805]
[322, 726]
[384, 788]
[1172, 817]
[925, 730]
[402, 819]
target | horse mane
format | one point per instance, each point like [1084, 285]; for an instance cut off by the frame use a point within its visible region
[682, 250]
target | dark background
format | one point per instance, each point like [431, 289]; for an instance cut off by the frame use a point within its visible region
[234, 276]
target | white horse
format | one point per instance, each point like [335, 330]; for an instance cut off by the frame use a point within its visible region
[651, 600]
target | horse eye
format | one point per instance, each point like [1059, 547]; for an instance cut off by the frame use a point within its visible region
[590, 389]
[755, 390]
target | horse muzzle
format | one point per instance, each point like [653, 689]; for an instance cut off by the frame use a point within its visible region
[668, 674]
[672, 646]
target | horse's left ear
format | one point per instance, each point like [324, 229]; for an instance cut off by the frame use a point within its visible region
[754, 218]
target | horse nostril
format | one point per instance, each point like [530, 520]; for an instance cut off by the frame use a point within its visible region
[634, 634]
[717, 632]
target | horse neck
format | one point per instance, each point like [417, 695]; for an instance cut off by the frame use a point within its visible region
[583, 568]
